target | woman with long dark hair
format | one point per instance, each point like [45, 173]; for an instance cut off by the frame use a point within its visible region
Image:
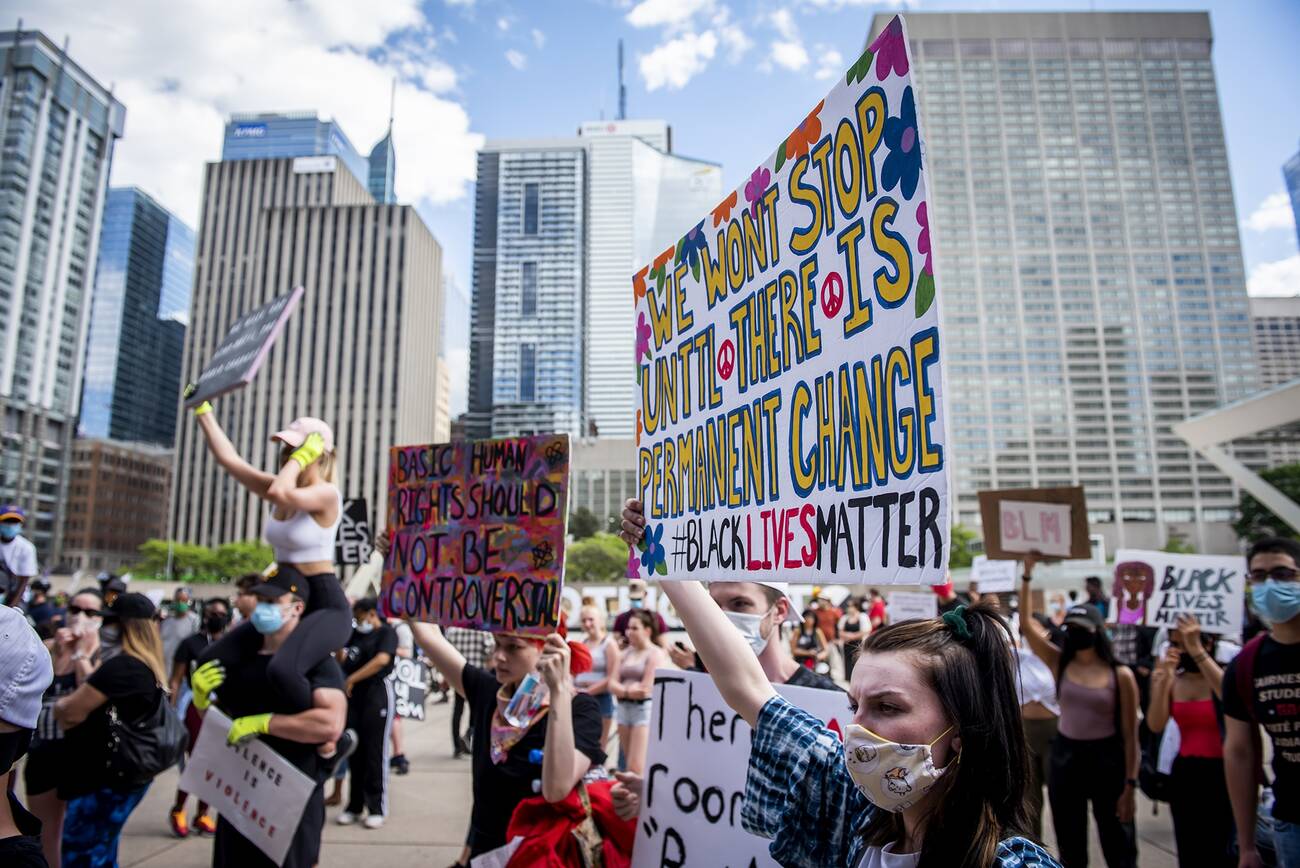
[633, 683]
[808, 643]
[1095, 752]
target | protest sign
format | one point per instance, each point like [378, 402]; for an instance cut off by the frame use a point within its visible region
[411, 679]
[1050, 521]
[1153, 588]
[241, 352]
[478, 533]
[993, 576]
[255, 789]
[907, 605]
[695, 773]
[789, 362]
[352, 542]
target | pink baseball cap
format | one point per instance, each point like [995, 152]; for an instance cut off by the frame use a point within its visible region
[296, 434]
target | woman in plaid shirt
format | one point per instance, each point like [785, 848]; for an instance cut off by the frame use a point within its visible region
[931, 772]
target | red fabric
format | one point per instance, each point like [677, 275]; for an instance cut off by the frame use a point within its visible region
[547, 830]
[580, 659]
[1199, 727]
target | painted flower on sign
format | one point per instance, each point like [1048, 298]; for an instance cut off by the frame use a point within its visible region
[861, 68]
[902, 166]
[638, 282]
[923, 241]
[659, 268]
[722, 212]
[755, 189]
[688, 249]
[653, 556]
[805, 135]
[642, 337]
[891, 50]
[633, 565]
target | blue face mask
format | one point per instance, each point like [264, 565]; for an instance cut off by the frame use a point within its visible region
[9, 531]
[267, 618]
[1276, 602]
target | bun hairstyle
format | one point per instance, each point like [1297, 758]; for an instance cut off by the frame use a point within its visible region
[965, 658]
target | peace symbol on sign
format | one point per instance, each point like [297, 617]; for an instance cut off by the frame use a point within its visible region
[832, 294]
[726, 359]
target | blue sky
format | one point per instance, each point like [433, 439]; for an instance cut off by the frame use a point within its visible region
[731, 76]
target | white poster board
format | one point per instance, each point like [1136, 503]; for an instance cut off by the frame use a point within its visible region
[255, 789]
[1153, 588]
[789, 359]
[1029, 526]
[993, 576]
[908, 605]
[695, 774]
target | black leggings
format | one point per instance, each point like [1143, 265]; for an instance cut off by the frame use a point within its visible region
[1083, 772]
[325, 628]
[1203, 828]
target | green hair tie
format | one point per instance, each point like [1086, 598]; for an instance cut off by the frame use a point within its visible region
[956, 621]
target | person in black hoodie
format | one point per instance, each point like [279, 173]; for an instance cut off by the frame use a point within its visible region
[367, 660]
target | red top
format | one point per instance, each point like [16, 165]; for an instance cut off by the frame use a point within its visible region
[1199, 728]
[877, 612]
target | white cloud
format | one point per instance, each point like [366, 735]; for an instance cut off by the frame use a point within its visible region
[783, 21]
[841, 4]
[460, 2]
[789, 54]
[735, 41]
[1275, 278]
[517, 59]
[539, 38]
[830, 63]
[677, 61]
[503, 23]
[1273, 213]
[180, 69]
[665, 13]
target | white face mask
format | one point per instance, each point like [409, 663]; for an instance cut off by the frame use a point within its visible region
[751, 627]
[892, 776]
[365, 627]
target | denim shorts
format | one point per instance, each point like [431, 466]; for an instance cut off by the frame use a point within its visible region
[606, 701]
[633, 712]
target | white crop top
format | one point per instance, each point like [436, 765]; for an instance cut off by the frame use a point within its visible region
[299, 539]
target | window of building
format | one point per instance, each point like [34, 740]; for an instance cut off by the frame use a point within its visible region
[531, 196]
[528, 289]
[527, 372]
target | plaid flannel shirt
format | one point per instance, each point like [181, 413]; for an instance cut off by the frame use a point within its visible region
[474, 645]
[798, 792]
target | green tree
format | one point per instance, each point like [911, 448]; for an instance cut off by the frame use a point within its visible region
[187, 559]
[1255, 520]
[602, 557]
[232, 560]
[1178, 544]
[960, 554]
[583, 523]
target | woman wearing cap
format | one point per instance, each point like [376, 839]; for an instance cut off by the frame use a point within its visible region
[565, 729]
[306, 508]
[130, 680]
[74, 652]
[1095, 753]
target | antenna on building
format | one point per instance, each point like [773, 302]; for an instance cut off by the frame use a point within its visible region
[622, 91]
[392, 105]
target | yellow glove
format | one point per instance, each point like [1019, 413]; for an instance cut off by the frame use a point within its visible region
[206, 679]
[244, 728]
[188, 392]
[309, 451]
[205, 407]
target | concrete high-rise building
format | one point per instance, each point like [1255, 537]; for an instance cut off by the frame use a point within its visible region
[1088, 258]
[117, 499]
[267, 135]
[57, 129]
[137, 323]
[1277, 346]
[560, 225]
[1291, 172]
[360, 351]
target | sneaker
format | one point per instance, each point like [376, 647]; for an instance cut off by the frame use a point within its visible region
[345, 747]
[374, 821]
[180, 825]
[347, 818]
[400, 764]
[206, 824]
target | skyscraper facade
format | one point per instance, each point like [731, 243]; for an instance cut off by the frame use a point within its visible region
[58, 126]
[1088, 260]
[559, 227]
[1277, 344]
[137, 323]
[266, 135]
[1291, 172]
[383, 167]
[117, 499]
[359, 352]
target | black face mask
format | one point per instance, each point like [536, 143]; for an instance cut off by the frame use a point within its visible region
[215, 622]
[1079, 639]
[1186, 663]
[12, 747]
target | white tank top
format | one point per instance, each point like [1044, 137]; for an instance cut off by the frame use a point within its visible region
[299, 539]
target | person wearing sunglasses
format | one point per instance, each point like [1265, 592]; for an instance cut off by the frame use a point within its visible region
[1262, 686]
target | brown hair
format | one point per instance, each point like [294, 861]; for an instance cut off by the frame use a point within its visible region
[140, 639]
[649, 621]
[966, 660]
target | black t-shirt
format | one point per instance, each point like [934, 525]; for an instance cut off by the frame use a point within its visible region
[22, 850]
[188, 652]
[805, 677]
[362, 648]
[247, 690]
[1276, 705]
[499, 788]
[133, 690]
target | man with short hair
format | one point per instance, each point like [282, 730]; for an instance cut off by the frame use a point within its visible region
[25, 673]
[17, 555]
[1259, 689]
[1097, 595]
[180, 624]
[40, 609]
[245, 599]
[244, 692]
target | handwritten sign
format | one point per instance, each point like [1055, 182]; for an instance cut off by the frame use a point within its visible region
[1154, 588]
[255, 789]
[789, 361]
[909, 605]
[241, 352]
[478, 533]
[352, 542]
[695, 774]
[1050, 521]
[993, 576]
[411, 679]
